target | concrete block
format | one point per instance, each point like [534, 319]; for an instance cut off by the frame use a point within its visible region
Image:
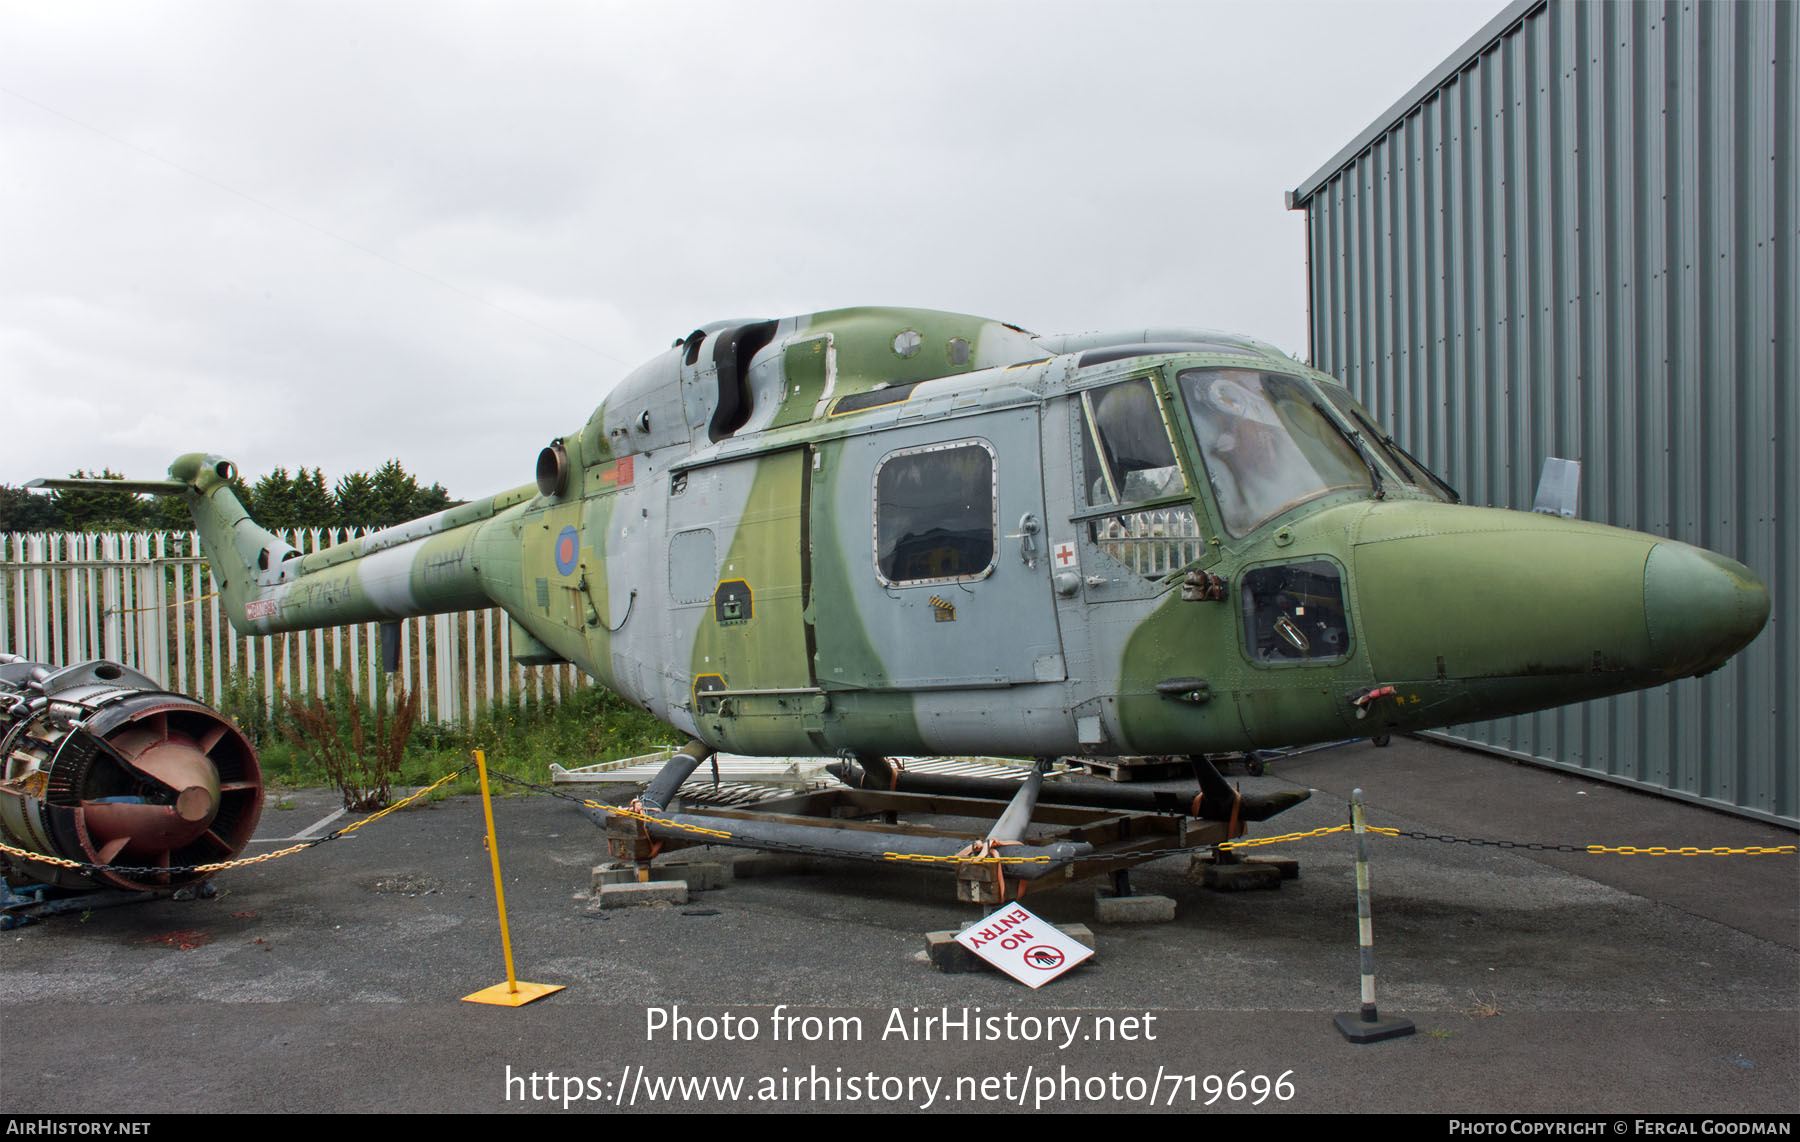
[1289, 867]
[699, 875]
[614, 872]
[1241, 876]
[769, 864]
[1112, 909]
[646, 892]
[950, 957]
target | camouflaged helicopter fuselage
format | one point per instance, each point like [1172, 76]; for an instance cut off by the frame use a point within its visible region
[904, 531]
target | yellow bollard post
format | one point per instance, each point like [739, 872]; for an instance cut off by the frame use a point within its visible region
[512, 993]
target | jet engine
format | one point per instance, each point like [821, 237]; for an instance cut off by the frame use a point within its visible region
[102, 766]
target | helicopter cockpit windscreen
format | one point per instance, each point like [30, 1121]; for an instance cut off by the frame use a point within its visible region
[1266, 444]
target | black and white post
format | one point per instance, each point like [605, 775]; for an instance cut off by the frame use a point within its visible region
[1366, 1026]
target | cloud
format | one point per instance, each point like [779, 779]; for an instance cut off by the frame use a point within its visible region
[331, 233]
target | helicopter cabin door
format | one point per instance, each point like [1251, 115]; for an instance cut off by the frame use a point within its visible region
[929, 567]
[737, 590]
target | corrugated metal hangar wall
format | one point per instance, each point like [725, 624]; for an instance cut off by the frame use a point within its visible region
[1577, 238]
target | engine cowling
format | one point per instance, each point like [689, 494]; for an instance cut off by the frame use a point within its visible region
[103, 766]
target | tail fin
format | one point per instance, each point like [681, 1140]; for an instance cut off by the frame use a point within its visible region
[237, 546]
[234, 543]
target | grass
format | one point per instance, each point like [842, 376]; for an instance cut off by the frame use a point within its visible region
[1483, 1008]
[520, 739]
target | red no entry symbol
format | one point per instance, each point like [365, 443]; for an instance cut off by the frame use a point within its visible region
[1044, 957]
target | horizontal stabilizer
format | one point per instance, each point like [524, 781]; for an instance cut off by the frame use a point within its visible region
[135, 487]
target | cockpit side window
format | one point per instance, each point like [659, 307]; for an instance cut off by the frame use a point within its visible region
[1127, 459]
[1295, 613]
[1266, 444]
[1125, 447]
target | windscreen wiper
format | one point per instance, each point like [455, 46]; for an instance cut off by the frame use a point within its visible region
[1455, 496]
[1355, 441]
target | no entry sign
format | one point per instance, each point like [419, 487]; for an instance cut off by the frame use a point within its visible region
[1022, 945]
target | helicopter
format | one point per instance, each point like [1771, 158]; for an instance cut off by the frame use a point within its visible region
[873, 532]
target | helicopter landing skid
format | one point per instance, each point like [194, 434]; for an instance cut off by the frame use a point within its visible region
[1066, 842]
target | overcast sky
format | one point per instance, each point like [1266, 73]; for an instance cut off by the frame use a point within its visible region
[332, 234]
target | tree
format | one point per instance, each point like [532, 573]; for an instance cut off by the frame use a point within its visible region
[102, 511]
[170, 513]
[390, 496]
[393, 492]
[277, 501]
[432, 499]
[355, 500]
[312, 500]
[274, 495]
[22, 511]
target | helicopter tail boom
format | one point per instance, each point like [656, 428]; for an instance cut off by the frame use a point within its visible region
[425, 566]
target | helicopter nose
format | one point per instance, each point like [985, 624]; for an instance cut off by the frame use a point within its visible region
[1700, 608]
[1506, 612]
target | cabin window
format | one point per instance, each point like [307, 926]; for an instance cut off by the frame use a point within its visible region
[936, 514]
[1295, 613]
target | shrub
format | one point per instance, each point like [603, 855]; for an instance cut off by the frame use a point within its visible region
[358, 747]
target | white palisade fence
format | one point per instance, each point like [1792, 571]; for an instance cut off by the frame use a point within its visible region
[149, 600]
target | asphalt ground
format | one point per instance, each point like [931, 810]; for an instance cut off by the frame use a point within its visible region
[1538, 981]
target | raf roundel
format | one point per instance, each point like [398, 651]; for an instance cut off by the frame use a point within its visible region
[567, 547]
